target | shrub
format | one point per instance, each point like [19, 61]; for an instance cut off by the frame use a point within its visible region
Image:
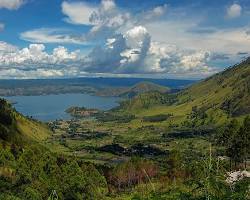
[156, 118]
[130, 173]
[110, 117]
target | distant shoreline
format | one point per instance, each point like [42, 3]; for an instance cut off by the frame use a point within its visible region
[91, 86]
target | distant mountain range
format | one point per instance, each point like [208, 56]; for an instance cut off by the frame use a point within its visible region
[82, 85]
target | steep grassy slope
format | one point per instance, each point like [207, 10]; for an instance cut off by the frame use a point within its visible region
[228, 91]
[14, 127]
[226, 94]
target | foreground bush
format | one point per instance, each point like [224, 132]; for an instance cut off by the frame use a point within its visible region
[33, 173]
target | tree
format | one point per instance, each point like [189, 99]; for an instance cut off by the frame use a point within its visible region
[237, 141]
[174, 163]
[225, 135]
[31, 194]
[228, 137]
[234, 150]
[245, 138]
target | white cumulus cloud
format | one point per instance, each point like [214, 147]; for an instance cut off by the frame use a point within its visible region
[135, 53]
[234, 11]
[34, 62]
[107, 19]
[6, 48]
[78, 12]
[34, 57]
[11, 4]
[104, 18]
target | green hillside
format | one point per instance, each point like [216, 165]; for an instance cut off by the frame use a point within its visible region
[14, 127]
[224, 95]
[147, 100]
[30, 171]
[228, 91]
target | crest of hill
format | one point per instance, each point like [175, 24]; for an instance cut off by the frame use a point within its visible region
[129, 92]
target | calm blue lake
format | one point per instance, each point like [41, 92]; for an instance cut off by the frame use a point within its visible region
[52, 107]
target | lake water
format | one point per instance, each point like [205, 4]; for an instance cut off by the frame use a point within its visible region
[52, 107]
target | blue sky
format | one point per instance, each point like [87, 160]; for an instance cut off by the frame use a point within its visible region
[186, 39]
